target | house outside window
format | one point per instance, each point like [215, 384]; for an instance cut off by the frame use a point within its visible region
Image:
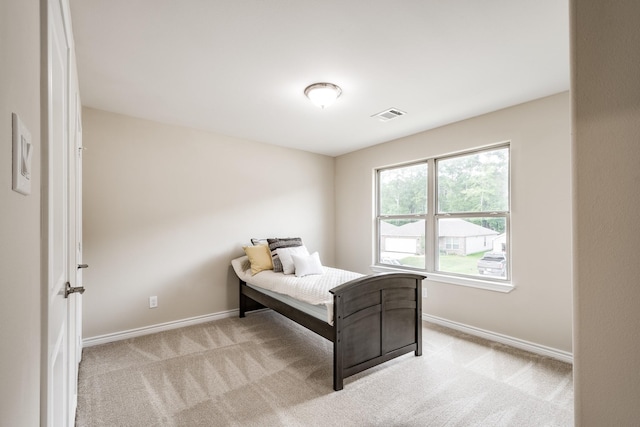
[448, 215]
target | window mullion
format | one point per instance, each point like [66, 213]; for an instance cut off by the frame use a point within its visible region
[430, 232]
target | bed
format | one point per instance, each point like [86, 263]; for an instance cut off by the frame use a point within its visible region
[370, 319]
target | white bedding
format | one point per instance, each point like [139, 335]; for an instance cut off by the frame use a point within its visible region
[312, 289]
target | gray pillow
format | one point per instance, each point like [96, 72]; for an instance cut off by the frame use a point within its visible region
[277, 243]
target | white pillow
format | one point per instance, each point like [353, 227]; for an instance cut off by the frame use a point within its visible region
[285, 257]
[307, 264]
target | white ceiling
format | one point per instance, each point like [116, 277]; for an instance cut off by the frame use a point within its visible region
[239, 67]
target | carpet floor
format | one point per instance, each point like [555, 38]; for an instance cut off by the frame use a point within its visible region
[265, 370]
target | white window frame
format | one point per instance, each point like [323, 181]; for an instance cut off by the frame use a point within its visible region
[431, 235]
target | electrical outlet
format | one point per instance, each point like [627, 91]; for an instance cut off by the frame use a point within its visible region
[424, 292]
[153, 302]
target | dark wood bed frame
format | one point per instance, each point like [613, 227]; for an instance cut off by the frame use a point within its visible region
[376, 318]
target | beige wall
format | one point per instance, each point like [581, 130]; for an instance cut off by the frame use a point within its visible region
[606, 128]
[539, 309]
[166, 209]
[606, 119]
[19, 218]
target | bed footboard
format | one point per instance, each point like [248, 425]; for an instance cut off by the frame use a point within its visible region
[376, 319]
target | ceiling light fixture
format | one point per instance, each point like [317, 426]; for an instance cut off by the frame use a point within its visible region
[322, 94]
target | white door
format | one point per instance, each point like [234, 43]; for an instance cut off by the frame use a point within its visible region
[57, 221]
[76, 265]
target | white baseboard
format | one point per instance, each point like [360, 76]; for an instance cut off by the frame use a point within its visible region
[471, 330]
[562, 355]
[146, 330]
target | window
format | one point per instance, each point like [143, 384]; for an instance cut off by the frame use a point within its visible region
[447, 215]
[402, 215]
[451, 243]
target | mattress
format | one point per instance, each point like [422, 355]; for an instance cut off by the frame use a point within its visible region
[311, 290]
[317, 311]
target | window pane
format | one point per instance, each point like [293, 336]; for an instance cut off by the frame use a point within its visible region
[473, 246]
[477, 182]
[403, 191]
[402, 242]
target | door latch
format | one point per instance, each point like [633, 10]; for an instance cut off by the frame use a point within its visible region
[72, 290]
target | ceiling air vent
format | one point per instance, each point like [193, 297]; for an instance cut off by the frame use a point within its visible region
[389, 114]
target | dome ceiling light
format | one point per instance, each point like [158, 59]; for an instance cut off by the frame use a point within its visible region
[322, 94]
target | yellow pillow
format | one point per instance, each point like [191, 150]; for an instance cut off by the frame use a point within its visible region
[259, 257]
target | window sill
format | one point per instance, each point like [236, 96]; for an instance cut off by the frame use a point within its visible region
[496, 286]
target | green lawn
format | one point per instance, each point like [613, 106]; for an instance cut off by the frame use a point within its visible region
[449, 263]
[413, 261]
[460, 264]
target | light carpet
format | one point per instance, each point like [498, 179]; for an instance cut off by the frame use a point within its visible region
[264, 370]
